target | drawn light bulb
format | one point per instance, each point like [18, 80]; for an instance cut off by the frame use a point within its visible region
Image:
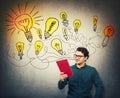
[24, 22]
[65, 33]
[63, 16]
[95, 21]
[51, 26]
[57, 45]
[76, 25]
[38, 46]
[39, 32]
[20, 48]
[108, 32]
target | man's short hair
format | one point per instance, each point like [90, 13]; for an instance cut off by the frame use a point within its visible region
[84, 51]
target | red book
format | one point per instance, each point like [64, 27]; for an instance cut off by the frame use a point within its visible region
[64, 67]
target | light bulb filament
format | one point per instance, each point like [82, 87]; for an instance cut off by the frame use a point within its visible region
[24, 23]
[57, 46]
[52, 24]
[38, 46]
[20, 48]
[64, 17]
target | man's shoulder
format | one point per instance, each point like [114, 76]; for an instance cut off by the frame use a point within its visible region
[73, 66]
[90, 67]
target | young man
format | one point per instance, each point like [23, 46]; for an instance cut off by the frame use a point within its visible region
[85, 76]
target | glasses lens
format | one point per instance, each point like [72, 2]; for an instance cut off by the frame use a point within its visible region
[79, 56]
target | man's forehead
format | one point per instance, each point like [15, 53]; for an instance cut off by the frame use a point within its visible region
[78, 52]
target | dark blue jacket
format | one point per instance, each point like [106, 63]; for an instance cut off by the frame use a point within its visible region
[81, 83]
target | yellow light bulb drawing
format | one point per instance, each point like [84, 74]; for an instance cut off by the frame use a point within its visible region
[39, 32]
[108, 32]
[24, 22]
[51, 26]
[95, 21]
[63, 16]
[38, 46]
[76, 25]
[57, 45]
[20, 48]
[65, 33]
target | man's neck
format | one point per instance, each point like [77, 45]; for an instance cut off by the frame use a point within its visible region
[80, 65]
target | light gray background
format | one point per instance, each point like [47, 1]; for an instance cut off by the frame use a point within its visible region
[28, 82]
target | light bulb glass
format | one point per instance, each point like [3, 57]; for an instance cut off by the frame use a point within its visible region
[24, 22]
[20, 48]
[76, 24]
[95, 20]
[51, 26]
[63, 15]
[108, 32]
[38, 46]
[39, 32]
[65, 33]
[57, 45]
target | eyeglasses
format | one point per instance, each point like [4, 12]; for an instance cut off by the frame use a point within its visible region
[79, 56]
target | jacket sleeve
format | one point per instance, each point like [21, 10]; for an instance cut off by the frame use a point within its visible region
[62, 84]
[98, 84]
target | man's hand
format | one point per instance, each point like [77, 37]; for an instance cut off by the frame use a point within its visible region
[63, 76]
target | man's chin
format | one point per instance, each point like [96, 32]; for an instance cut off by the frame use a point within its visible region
[77, 63]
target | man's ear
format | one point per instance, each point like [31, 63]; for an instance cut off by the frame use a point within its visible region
[86, 58]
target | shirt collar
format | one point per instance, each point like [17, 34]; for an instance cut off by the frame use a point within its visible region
[81, 67]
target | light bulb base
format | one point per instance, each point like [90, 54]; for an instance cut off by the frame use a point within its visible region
[20, 54]
[29, 36]
[40, 36]
[94, 28]
[105, 41]
[65, 23]
[37, 52]
[47, 35]
[60, 51]
[66, 37]
[76, 30]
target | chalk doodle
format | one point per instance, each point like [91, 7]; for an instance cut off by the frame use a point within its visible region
[58, 38]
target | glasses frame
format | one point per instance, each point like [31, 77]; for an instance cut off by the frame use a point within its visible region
[78, 56]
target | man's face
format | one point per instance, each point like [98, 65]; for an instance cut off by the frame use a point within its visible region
[79, 57]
